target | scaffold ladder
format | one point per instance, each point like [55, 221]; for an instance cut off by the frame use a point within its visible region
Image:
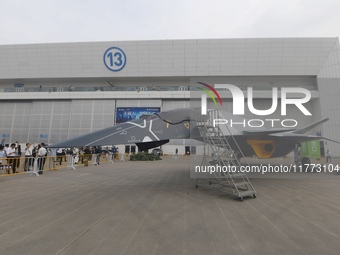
[218, 152]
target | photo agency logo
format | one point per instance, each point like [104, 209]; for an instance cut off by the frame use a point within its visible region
[239, 104]
[204, 96]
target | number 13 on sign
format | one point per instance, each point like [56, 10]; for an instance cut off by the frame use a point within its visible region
[114, 59]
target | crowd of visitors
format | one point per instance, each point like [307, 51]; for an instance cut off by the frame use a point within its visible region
[11, 156]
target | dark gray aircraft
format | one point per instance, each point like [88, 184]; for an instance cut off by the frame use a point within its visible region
[147, 132]
[154, 130]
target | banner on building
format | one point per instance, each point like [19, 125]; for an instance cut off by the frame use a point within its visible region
[310, 149]
[124, 114]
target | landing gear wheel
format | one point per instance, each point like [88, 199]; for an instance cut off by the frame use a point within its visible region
[196, 186]
[305, 162]
[241, 199]
[254, 195]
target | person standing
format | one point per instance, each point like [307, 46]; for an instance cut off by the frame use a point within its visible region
[176, 153]
[97, 152]
[18, 154]
[11, 158]
[297, 153]
[60, 155]
[42, 153]
[2, 154]
[328, 157]
[28, 157]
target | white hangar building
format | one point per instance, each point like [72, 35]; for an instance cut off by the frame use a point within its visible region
[52, 92]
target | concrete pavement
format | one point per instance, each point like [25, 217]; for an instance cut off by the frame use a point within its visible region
[154, 208]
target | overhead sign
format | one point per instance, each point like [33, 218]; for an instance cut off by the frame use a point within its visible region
[124, 114]
[114, 59]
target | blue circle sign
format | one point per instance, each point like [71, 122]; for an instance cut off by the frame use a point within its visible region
[114, 59]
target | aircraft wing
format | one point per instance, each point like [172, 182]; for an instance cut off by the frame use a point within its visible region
[311, 126]
[301, 137]
[299, 134]
[285, 130]
[153, 129]
[266, 132]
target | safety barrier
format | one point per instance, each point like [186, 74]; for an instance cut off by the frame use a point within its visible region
[30, 165]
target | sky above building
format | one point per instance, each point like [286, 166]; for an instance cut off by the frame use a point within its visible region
[47, 21]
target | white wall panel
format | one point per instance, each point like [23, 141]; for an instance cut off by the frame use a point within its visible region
[73, 60]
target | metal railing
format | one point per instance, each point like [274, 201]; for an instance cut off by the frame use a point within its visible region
[11, 166]
[95, 88]
[127, 88]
